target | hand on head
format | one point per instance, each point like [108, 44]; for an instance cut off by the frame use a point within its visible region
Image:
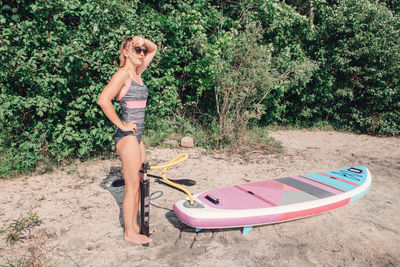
[138, 41]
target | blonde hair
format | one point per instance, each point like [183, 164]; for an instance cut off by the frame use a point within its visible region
[125, 44]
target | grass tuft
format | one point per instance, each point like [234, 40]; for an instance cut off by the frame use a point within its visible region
[20, 228]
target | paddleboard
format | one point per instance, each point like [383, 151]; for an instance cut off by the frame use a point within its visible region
[275, 200]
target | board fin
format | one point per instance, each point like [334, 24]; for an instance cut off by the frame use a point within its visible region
[198, 230]
[246, 229]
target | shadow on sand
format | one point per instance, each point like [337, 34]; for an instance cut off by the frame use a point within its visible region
[114, 183]
[115, 174]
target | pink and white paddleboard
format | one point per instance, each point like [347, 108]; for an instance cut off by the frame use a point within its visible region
[273, 201]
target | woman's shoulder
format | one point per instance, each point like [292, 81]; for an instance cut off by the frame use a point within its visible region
[124, 79]
[122, 74]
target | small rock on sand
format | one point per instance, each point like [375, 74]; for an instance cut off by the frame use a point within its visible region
[187, 142]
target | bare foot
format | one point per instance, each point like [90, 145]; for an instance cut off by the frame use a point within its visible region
[137, 238]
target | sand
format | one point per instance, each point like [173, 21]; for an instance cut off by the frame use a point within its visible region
[80, 219]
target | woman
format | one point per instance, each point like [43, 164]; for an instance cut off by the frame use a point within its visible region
[127, 86]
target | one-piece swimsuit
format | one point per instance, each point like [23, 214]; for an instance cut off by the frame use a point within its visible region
[133, 106]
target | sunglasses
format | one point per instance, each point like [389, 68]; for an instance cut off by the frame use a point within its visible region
[138, 50]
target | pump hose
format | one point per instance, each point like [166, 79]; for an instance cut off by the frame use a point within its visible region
[178, 159]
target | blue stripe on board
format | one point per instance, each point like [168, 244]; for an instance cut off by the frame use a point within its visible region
[330, 181]
[357, 178]
[333, 181]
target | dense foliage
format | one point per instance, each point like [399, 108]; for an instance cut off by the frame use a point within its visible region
[357, 86]
[301, 62]
[56, 56]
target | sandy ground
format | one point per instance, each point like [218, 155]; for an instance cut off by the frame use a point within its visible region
[80, 217]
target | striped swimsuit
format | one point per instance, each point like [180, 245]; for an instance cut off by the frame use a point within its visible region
[133, 106]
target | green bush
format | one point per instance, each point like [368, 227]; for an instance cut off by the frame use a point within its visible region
[56, 58]
[289, 33]
[332, 62]
[357, 86]
[245, 74]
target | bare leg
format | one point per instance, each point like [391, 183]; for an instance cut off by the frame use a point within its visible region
[129, 151]
[142, 149]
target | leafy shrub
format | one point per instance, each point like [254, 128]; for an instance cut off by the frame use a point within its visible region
[288, 34]
[357, 86]
[245, 73]
[56, 58]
